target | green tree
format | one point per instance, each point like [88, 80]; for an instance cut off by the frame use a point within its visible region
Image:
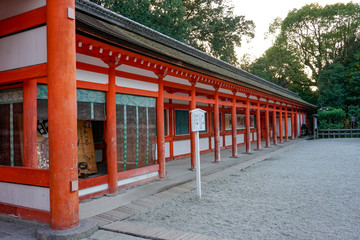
[281, 66]
[322, 35]
[308, 41]
[332, 89]
[339, 83]
[209, 25]
[352, 80]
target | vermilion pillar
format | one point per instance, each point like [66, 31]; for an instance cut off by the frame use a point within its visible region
[216, 126]
[29, 123]
[274, 127]
[111, 148]
[258, 127]
[160, 128]
[281, 125]
[192, 134]
[286, 125]
[247, 126]
[61, 72]
[267, 125]
[234, 126]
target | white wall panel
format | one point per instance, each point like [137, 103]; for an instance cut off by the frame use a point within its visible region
[16, 7]
[139, 71]
[23, 49]
[25, 196]
[240, 138]
[181, 147]
[205, 86]
[87, 76]
[129, 83]
[298, 124]
[289, 127]
[177, 80]
[228, 140]
[225, 91]
[204, 143]
[90, 60]
[167, 149]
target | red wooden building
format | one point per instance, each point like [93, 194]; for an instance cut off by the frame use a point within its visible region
[91, 102]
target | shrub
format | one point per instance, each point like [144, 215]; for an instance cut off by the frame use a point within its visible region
[331, 118]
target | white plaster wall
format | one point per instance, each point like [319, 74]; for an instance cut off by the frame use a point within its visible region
[240, 94]
[255, 136]
[16, 7]
[25, 196]
[289, 127]
[212, 142]
[129, 83]
[240, 138]
[298, 124]
[205, 86]
[135, 70]
[177, 80]
[167, 149]
[90, 60]
[181, 147]
[225, 91]
[175, 101]
[204, 143]
[23, 49]
[87, 76]
[228, 140]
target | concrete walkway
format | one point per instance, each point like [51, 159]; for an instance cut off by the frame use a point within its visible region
[109, 211]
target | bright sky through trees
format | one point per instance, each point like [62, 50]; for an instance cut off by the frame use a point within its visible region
[263, 12]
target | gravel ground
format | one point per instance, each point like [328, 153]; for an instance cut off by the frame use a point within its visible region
[309, 191]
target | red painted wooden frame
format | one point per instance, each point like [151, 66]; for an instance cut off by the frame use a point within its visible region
[23, 175]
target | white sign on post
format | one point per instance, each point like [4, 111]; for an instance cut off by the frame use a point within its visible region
[197, 124]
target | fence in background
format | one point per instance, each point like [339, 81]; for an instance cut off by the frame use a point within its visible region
[338, 133]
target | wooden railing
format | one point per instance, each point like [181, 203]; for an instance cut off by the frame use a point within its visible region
[338, 133]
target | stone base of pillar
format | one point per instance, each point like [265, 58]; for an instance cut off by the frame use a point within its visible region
[84, 230]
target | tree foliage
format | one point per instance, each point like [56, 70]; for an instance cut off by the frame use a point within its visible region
[322, 35]
[339, 83]
[312, 48]
[209, 25]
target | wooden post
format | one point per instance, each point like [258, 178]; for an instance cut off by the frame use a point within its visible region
[160, 127]
[247, 126]
[30, 123]
[192, 134]
[62, 112]
[234, 126]
[281, 125]
[258, 126]
[267, 125]
[274, 126]
[216, 126]
[111, 147]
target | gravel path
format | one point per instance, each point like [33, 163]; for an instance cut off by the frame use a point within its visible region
[310, 190]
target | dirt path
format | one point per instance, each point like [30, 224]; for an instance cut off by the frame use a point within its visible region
[308, 192]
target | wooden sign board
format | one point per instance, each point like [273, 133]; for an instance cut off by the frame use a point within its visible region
[86, 149]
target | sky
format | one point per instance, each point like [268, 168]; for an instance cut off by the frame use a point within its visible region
[263, 12]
